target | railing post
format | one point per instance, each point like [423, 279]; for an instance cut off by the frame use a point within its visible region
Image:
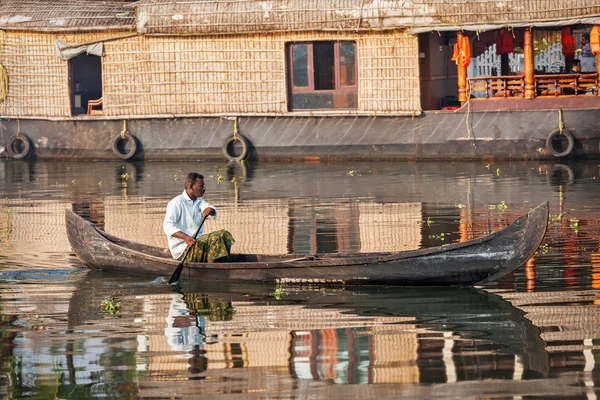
[528, 64]
[598, 73]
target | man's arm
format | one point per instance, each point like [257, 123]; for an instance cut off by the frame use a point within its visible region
[170, 224]
[190, 241]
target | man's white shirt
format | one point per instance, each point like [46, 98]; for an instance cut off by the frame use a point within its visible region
[183, 215]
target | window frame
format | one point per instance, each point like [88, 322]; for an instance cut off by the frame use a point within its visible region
[311, 71]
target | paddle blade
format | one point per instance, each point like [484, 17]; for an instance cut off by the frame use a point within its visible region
[176, 274]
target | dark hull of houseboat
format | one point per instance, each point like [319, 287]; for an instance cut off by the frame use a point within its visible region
[479, 133]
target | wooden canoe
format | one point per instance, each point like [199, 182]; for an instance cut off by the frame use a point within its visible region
[472, 262]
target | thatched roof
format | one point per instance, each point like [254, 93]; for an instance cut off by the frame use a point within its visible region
[67, 15]
[194, 17]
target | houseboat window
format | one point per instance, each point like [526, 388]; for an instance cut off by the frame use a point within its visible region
[324, 63]
[85, 78]
[300, 63]
[323, 75]
[347, 64]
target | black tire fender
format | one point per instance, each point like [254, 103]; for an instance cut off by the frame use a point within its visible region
[127, 137]
[228, 148]
[570, 142]
[13, 152]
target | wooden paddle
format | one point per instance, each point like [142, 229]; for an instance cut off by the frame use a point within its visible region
[177, 273]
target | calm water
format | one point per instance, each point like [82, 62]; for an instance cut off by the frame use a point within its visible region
[534, 334]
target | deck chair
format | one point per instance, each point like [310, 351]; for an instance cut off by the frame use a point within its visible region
[93, 103]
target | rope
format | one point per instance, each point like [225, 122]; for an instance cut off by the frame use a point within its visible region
[3, 78]
[561, 125]
[235, 128]
[469, 136]
[124, 131]
[468, 105]
[3, 83]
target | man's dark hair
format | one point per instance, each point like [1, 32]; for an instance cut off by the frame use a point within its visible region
[586, 36]
[575, 62]
[190, 179]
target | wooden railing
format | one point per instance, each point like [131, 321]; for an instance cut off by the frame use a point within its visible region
[499, 86]
[566, 84]
[545, 85]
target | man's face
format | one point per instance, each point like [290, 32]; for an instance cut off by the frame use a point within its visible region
[198, 188]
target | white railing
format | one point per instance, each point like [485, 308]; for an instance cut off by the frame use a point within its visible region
[488, 63]
[551, 61]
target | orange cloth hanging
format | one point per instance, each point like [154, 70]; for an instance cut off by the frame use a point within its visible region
[595, 39]
[462, 51]
[466, 48]
[568, 42]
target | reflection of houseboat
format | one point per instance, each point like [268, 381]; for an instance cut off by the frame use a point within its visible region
[312, 78]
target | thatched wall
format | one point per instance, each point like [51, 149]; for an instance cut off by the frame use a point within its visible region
[187, 17]
[67, 15]
[38, 81]
[236, 75]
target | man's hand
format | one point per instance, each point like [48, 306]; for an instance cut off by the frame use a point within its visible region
[190, 241]
[208, 211]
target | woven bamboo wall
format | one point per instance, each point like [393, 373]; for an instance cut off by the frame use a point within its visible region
[238, 75]
[246, 74]
[38, 81]
[185, 17]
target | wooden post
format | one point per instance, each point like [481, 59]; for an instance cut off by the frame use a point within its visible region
[528, 67]
[598, 73]
[462, 75]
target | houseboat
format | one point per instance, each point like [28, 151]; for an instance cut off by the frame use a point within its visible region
[293, 80]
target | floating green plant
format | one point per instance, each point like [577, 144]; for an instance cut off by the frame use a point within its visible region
[278, 292]
[574, 224]
[442, 236]
[111, 306]
[219, 178]
[502, 206]
[544, 248]
[554, 218]
[351, 172]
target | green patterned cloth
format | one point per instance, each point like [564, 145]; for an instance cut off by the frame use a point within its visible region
[211, 246]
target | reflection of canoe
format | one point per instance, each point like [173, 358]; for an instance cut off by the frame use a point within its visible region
[458, 309]
[472, 262]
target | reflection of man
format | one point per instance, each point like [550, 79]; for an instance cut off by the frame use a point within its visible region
[183, 331]
[182, 220]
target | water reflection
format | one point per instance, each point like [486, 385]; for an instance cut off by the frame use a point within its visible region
[531, 334]
[239, 339]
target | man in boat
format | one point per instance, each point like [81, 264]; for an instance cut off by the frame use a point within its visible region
[182, 220]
